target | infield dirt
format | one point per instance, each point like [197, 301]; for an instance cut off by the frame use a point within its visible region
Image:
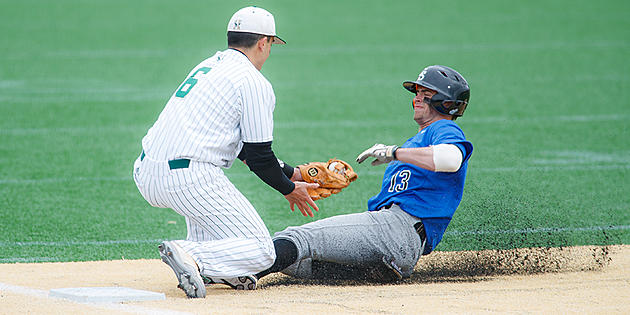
[586, 279]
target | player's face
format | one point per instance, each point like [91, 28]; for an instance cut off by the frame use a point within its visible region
[422, 111]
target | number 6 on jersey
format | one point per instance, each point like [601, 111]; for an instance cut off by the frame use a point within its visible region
[190, 82]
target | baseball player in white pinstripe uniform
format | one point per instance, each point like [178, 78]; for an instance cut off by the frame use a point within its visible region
[221, 111]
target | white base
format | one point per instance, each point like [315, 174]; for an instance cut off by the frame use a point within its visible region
[105, 294]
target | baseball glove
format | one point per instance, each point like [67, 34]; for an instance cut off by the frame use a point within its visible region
[332, 177]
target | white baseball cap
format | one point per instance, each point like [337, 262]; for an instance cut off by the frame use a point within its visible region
[254, 20]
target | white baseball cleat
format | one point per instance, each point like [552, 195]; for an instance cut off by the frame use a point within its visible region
[237, 283]
[185, 269]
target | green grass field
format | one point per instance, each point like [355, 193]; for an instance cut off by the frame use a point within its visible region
[82, 81]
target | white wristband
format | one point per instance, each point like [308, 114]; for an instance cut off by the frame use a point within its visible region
[447, 157]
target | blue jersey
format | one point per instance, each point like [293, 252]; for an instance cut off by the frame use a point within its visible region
[430, 196]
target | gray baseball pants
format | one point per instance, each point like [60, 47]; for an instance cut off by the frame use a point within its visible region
[358, 239]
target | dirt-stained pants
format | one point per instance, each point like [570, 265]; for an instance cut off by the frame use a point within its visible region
[359, 239]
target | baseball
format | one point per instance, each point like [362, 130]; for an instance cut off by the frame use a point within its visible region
[332, 168]
[332, 165]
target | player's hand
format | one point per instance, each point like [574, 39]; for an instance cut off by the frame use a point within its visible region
[299, 196]
[382, 153]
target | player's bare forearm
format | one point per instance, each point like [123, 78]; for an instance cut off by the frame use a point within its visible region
[421, 157]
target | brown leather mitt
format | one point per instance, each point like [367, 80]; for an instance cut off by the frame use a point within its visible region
[332, 177]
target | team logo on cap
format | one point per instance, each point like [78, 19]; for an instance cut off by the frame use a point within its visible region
[421, 76]
[237, 24]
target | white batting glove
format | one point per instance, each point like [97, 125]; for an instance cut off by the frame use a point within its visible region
[382, 153]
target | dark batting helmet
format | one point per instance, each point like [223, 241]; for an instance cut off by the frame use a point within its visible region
[452, 89]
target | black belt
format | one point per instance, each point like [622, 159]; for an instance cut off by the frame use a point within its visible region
[420, 230]
[172, 164]
[418, 226]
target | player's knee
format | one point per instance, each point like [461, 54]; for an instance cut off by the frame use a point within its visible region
[292, 233]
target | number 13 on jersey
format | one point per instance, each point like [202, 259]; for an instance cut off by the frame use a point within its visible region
[399, 181]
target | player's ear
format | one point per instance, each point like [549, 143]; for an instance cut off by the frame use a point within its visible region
[447, 104]
[262, 42]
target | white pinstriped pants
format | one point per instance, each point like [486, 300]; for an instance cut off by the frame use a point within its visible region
[226, 236]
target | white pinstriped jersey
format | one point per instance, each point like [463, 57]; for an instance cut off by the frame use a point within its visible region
[224, 102]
